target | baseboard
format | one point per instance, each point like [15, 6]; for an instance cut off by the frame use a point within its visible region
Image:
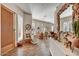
[6, 49]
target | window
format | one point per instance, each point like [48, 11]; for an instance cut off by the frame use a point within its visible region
[52, 28]
[20, 27]
[67, 26]
[44, 30]
[33, 28]
[33, 25]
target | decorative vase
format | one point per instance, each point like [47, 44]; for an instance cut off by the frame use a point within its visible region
[75, 42]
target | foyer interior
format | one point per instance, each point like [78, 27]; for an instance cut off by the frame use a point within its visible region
[39, 29]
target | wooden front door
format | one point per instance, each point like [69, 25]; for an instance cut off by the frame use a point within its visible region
[7, 33]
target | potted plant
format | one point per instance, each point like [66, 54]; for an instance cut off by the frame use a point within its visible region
[46, 34]
[76, 32]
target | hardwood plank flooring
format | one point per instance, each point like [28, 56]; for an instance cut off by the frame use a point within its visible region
[27, 50]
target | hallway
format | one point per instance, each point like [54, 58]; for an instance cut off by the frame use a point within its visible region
[40, 29]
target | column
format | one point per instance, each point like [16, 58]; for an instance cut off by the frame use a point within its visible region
[58, 26]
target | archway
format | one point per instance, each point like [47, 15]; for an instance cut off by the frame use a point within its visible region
[75, 14]
[64, 7]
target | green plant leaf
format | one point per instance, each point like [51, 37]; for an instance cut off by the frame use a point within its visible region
[76, 28]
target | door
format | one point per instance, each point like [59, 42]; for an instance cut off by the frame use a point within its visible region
[7, 33]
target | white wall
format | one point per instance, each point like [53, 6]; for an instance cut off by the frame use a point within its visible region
[27, 20]
[42, 25]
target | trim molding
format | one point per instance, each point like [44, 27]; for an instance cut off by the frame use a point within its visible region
[0, 29]
[27, 13]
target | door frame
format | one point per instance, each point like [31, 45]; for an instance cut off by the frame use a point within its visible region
[7, 48]
[0, 29]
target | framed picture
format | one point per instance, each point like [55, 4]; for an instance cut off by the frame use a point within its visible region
[27, 27]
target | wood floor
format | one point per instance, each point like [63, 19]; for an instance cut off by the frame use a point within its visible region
[27, 50]
[43, 48]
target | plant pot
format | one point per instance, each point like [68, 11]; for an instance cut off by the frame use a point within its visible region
[76, 42]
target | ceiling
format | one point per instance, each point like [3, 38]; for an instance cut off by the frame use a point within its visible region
[42, 11]
[24, 7]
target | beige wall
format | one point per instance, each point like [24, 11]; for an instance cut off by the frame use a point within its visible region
[27, 20]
